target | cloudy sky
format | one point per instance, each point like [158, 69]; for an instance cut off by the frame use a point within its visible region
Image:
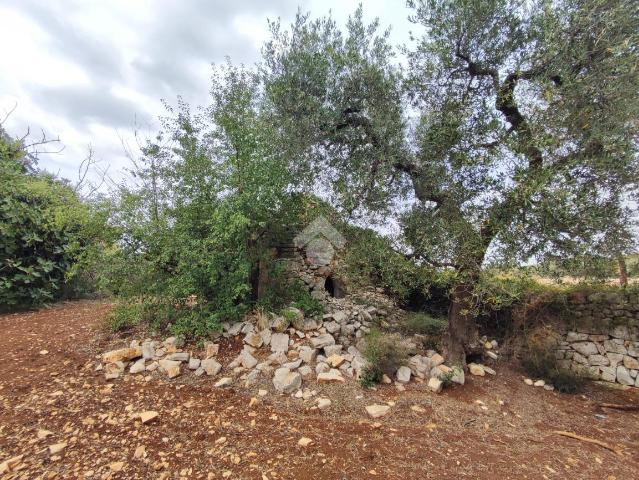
[93, 71]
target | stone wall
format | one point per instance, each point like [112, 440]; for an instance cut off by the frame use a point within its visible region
[600, 339]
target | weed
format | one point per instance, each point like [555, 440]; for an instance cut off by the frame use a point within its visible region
[539, 361]
[385, 352]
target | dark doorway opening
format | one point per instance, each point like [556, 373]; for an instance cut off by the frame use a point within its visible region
[334, 287]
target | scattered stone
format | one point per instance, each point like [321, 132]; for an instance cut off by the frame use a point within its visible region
[194, 363]
[138, 367]
[420, 366]
[148, 416]
[403, 374]
[286, 381]
[171, 367]
[322, 340]
[44, 352]
[151, 367]
[332, 350]
[528, 381]
[539, 383]
[323, 403]
[211, 366]
[377, 411]
[332, 327]
[321, 367]
[331, 376]
[435, 384]
[489, 370]
[10, 464]
[42, 434]
[386, 379]
[335, 360]
[548, 387]
[148, 350]
[116, 466]
[262, 393]
[436, 360]
[122, 355]
[491, 354]
[254, 339]
[458, 375]
[305, 371]
[211, 349]
[293, 365]
[113, 370]
[224, 382]
[140, 452]
[247, 360]
[179, 356]
[57, 448]
[304, 442]
[476, 369]
[279, 342]
[308, 354]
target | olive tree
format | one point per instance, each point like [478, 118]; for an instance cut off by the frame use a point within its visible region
[513, 126]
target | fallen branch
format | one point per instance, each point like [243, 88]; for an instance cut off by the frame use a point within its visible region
[615, 406]
[588, 440]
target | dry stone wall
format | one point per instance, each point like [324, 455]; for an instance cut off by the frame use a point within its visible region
[601, 339]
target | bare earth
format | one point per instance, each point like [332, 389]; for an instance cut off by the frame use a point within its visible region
[204, 432]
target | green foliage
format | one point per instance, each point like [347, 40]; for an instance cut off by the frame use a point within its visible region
[197, 220]
[124, 316]
[307, 304]
[371, 375]
[45, 232]
[385, 352]
[424, 324]
[539, 361]
[447, 377]
[370, 259]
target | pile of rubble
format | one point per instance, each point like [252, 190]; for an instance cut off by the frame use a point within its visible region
[288, 349]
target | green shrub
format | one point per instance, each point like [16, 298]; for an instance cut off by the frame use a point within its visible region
[385, 352]
[539, 361]
[447, 377]
[306, 303]
[124, 316]
[424, 324]
[42, 232]
[371, 375]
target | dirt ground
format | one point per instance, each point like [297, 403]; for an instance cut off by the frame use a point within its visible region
[204, 432]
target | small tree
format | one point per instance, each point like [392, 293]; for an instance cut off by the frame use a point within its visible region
[516, 137]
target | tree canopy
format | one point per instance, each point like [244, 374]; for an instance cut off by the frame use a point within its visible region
[514, 125]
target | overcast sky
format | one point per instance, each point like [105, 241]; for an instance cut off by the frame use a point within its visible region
[89, 71]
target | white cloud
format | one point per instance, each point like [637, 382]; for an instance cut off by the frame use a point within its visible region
[89, 71]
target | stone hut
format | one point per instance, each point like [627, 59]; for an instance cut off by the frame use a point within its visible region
[310, 255]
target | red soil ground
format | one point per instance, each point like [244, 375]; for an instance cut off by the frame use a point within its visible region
[203, 432]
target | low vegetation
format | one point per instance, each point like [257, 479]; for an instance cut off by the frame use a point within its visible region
[540, 362]
[385, 353]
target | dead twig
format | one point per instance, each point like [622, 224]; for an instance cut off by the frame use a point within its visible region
[616, 406]
[588, 440]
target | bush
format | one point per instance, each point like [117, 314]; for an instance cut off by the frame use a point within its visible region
[44, 230]
[385, 353]
[424, 324]
[125, 316]
[371, 375]
[539, 361]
